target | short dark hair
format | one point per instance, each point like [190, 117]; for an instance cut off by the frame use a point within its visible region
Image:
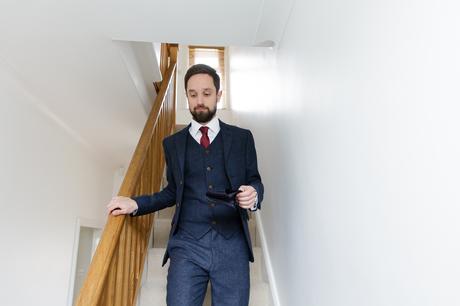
[199, 69]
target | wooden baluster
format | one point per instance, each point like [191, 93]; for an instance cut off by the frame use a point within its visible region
[119, 275]
[115, 273]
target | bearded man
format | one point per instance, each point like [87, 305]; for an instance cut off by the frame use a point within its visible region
[213, 181]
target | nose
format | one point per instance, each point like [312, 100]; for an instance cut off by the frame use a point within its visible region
[200, 100]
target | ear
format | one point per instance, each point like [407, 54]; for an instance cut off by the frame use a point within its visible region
[219, 94]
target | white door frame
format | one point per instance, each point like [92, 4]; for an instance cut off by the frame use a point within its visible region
[81, 222]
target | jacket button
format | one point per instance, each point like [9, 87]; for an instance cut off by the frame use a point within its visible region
[208, 168]
[210, 187]
[212, 204]
[180, 183]
[214, 222]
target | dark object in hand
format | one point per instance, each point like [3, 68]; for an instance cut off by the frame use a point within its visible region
[227, 198]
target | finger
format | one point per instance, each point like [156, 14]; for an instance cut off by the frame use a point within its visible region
[246, 203]
[116, 205]
[110, 209]
[245, 193]
[245, 189]
[113, 206]
[115, 200]
[251, 197]
[117, 212]
[247, 199]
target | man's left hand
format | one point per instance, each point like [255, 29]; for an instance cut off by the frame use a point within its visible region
[247, 197]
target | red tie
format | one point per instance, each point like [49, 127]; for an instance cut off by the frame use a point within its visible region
[204, 141]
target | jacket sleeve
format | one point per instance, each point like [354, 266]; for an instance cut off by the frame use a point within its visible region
[252, 173]
[162, 199]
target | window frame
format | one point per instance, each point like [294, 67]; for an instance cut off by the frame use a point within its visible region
[221, 69]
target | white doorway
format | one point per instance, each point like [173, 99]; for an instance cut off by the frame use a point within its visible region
[87, 236]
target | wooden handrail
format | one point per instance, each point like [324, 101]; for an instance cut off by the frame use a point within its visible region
[115, 272]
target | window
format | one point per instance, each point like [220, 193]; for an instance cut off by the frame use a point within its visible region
[214, 57]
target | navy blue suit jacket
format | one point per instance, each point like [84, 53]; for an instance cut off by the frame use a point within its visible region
[240, 166]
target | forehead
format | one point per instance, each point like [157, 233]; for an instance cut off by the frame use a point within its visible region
[200, 81]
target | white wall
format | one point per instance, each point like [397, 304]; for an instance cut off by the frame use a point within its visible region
[48, 179]
[356, 121]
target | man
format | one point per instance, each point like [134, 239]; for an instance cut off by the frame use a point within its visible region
[209, 238]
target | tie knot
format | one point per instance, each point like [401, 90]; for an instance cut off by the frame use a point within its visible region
[204, 130]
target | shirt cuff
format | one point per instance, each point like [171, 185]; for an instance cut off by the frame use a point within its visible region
[133, 214]
[254, 207]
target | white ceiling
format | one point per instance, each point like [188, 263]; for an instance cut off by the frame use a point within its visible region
[64, 54]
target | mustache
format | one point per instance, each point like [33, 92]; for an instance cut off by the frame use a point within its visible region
[200, 106]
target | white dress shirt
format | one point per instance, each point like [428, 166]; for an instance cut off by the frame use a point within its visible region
[214, 128]
[213, 125]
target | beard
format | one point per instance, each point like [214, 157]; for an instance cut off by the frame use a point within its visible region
[203, 116]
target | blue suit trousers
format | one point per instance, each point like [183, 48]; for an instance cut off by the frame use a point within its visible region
[223, 262]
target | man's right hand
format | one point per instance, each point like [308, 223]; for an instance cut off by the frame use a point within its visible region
[121, 206]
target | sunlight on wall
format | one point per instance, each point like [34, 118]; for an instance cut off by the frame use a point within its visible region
[254, 78]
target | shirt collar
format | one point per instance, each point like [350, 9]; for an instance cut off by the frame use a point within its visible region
[213, 126]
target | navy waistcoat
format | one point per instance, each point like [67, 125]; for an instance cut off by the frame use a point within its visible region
[204, 170]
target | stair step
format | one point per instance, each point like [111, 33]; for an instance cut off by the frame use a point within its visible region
[153, 292]
[253, 232]
[259, 294]
[161, 230]
[256, 267]
[166, 213]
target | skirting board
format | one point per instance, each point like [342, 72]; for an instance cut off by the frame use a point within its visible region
[267, 260]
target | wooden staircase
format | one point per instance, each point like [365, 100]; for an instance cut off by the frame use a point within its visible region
[114, 276]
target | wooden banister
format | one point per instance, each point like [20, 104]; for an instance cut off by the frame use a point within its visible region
[115, 272]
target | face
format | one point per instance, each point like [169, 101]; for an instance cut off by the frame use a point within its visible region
[202, 97]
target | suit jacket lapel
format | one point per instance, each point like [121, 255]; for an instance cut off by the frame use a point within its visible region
[181, 142]
[226, 139]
